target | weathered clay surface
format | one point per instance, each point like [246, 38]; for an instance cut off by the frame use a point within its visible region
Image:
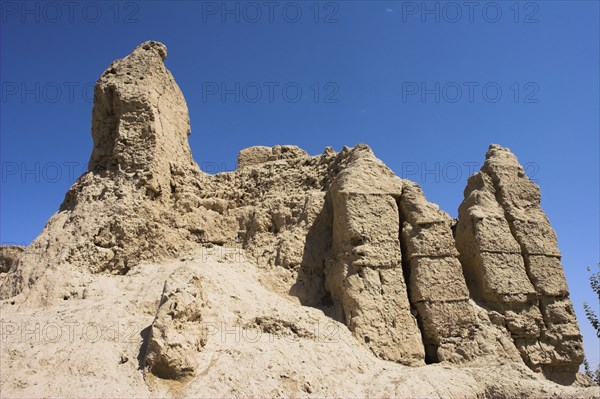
[261, 154]
[121, 211]
[453, 330]
[9, 254]
[339, 232]
[510, 255]
[177, 333]
[365, 276]
[259, 344]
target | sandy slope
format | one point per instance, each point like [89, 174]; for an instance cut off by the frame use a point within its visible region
[260, 343]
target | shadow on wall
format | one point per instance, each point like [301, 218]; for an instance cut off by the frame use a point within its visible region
[309, 287]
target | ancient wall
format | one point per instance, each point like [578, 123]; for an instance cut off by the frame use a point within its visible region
[338, 231]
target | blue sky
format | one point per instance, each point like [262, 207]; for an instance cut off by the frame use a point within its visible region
[428, 85]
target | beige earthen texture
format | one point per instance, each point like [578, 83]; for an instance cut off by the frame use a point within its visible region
[510, 253]
[289, 245]
[177, 333]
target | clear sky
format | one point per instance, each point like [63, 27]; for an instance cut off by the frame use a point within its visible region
[428, 85]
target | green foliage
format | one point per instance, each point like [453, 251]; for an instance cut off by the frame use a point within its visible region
[589, 311]
[594, 375]
[593, 319]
